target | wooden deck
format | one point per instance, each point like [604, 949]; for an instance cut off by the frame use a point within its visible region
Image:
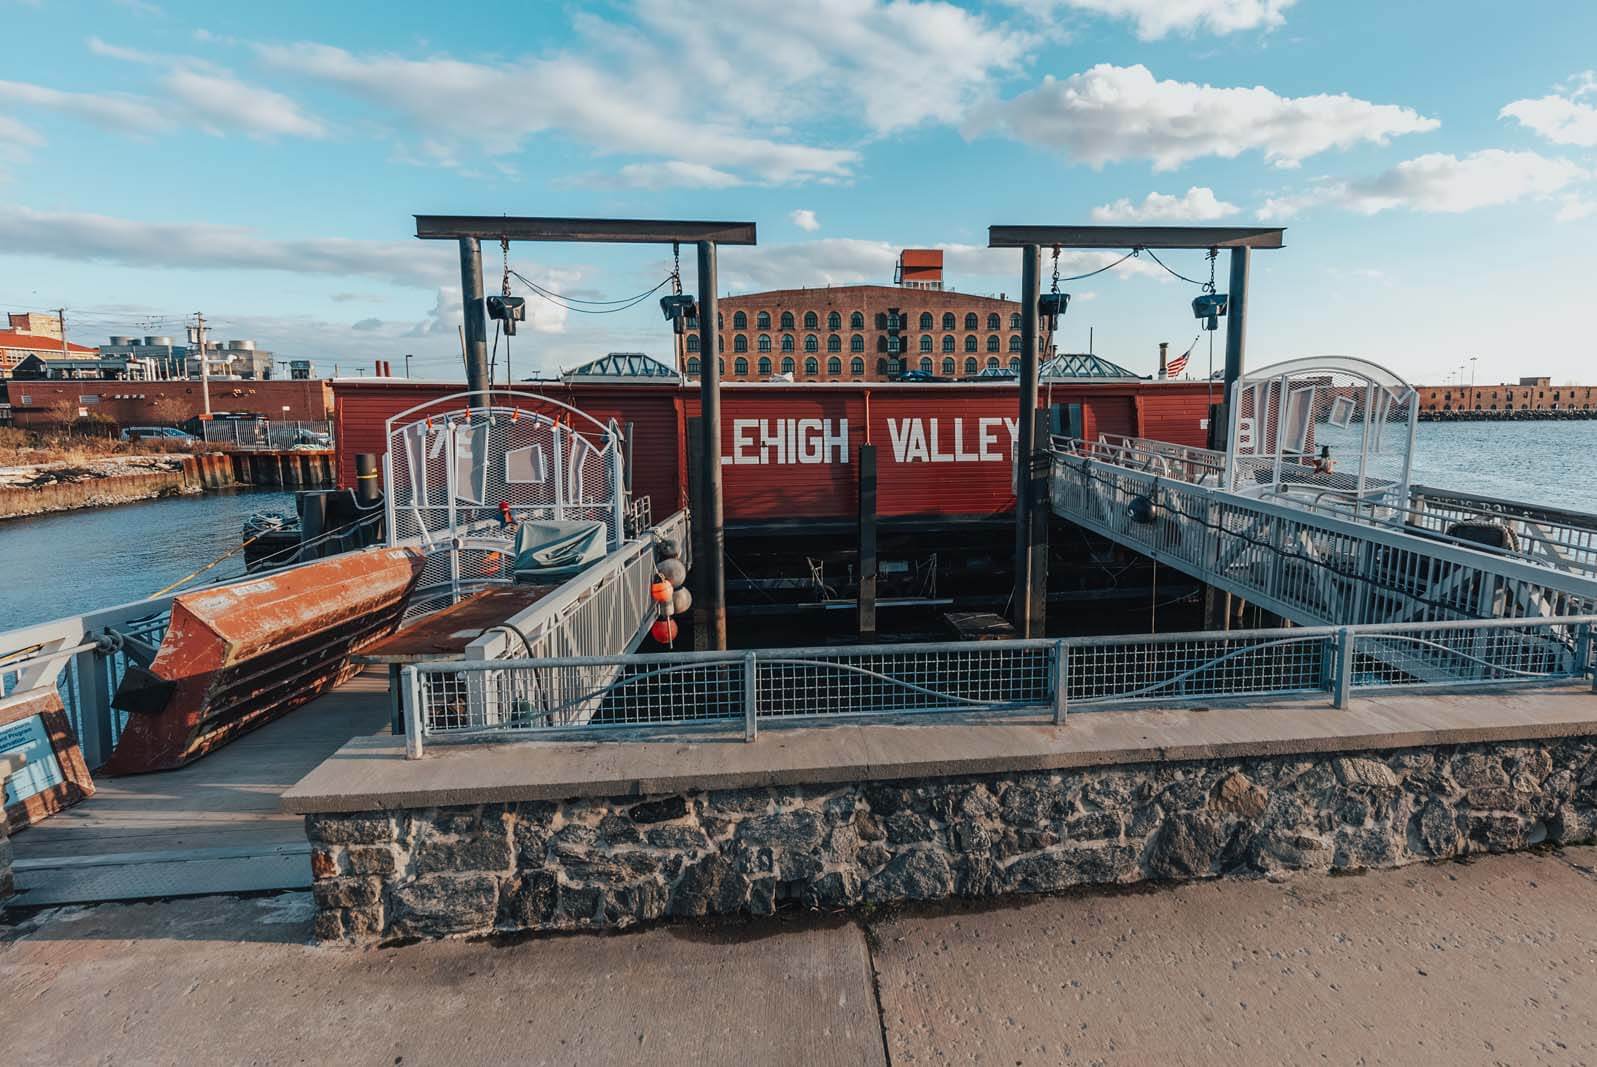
[215, 825]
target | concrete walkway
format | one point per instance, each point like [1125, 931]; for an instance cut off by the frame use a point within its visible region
[1488, 962]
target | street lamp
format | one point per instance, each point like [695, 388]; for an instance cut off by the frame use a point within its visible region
[407, 364]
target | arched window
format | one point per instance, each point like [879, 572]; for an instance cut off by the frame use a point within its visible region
[881, 367]
[787, 320]
[992, 342]
[765, 366]
[765, 342]
[925, 342]
[1014, 320]
[812, 366]
[787, 342]
[812, 321]
[992, 321]
[788, 366]
[948, 366]
[834, 366]
[856, 367]
[970, 367]
[693, 365]
[740, 320]
[1014, 364]
[926, 364]
[720, 366]
[895, 344]
[970, 320]
[881, 320]
[740, 343]
[834, 343]
[992, 362]
[720, 344]
[926, 320]
[811, 344]
[693, 342]
[720, 321]
[740, 366]
[856, 343]
[762, 321]
[948, 320]
[1014, 342]
[856, 321]
[970, 343]
[948, 342]
[834, 321]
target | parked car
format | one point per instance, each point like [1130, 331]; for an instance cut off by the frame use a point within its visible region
[304, 437]
[166, 434]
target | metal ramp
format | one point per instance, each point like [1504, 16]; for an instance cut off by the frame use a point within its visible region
[1322, 563]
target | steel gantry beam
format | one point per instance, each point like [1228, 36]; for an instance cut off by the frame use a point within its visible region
[471, 230]
[1031, 551]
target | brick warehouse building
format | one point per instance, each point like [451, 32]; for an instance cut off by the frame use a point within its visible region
[866, 332]
[1530, 394]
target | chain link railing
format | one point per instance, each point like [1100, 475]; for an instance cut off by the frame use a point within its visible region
[268, 435]
[586, 696]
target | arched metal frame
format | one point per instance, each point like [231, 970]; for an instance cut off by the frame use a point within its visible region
[1279, 413]
[449, 466]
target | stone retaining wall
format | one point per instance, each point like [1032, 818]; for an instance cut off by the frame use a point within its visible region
[609, 863]
[179, 475]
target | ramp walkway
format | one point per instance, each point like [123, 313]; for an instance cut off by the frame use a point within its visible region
[1324, 558]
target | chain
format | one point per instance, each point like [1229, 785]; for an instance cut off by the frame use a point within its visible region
[1214, 254]
[504, 250]
[1054, 287]
[676, 268]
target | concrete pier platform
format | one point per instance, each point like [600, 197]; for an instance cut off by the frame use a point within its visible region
[1493, 961]
[216, 825]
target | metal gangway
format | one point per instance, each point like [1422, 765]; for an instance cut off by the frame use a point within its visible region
[1284, 520]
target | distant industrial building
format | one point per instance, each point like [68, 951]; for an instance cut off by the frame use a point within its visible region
[864, 333]
[37, 368]
[29, 333]
[228, 359]
[1535, 394]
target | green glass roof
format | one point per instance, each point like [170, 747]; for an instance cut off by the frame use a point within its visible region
[1086, 365]
[623, 365]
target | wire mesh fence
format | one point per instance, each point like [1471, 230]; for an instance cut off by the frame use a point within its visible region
[580, 696]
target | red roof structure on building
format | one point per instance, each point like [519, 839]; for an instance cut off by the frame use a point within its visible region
[34, 342]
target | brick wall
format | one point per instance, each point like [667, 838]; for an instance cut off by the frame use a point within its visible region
[40, 404]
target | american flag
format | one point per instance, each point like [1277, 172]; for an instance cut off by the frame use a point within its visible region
[1176, 366]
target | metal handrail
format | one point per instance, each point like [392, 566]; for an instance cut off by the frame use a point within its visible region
[450, 701]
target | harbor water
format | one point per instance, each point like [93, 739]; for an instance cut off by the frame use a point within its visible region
[76, 561]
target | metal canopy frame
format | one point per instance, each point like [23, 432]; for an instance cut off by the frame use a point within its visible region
[471, 230]
[610, 231]
[1031, 484]
[1156, 237]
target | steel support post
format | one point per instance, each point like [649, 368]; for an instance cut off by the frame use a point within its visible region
[1236, 318]
[751, 702]
[867, 540]
[1061, 681]
[410, 701]
[94, 706]
[1025, 600]
[476, 318]
[712, 519]
[1344, 667]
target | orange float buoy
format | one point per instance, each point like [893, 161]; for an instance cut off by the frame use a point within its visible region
[661, 592]
[664, 631]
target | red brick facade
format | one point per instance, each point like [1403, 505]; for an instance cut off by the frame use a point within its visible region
[1529, 395]
[860, 332]
[48, 404]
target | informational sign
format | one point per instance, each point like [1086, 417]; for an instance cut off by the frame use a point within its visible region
[42, 770]
[764, 442]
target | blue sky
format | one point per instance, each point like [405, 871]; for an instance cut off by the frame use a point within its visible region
[1435, 163]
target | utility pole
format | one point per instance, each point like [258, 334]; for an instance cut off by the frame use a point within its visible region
[407, 364]
[61, 315]
[198, 332]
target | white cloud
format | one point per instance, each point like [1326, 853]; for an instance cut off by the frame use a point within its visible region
[1439, 183]
[1198, 205]
[676, 172]
[1562, 118]
[221, 102]
[117, 112]
[1574, 208]
[83, 237]
[735, 103]
[805, 219]
[1109, 113]
[1158, 18]
[194, 92]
